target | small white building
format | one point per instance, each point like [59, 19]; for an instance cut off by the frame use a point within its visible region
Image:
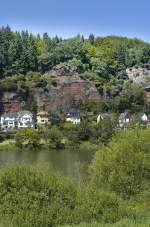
[102, 116]
[124, 119]
[73, 116]
[142, 117]
[8, 121]
[42, 118]
[25, 119]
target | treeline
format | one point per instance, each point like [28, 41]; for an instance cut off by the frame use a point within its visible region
[21, 52]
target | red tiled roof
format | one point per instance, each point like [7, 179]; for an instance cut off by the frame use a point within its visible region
[42, 114]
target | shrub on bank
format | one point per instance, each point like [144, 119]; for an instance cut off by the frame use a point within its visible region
[32, 197]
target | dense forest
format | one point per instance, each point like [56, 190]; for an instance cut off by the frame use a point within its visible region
[21, 52]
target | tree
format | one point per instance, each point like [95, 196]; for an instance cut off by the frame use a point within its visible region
[91, 38]
[100, 66]
[5, 40]
[121, 54]
[84, 131]
[27, 137]
[55, 138]
[123, 166]
[45, 62]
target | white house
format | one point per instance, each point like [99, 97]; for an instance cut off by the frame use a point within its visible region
[8, 121]
[42, 118]
[25, 119]
[22, 119]
[102, 116]
[124, 119]
[142, 117]
[73, 116]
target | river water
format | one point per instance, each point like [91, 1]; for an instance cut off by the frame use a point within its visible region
[69, 163]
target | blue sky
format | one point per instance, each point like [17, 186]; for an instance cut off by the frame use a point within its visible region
[67, 18]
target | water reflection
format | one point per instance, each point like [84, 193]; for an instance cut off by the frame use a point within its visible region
[68, 163]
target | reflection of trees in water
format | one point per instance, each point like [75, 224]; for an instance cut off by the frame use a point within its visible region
[68, 163]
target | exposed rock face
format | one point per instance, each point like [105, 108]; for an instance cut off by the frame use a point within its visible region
[138, 75]
[141, 76]
[65, 70]
[10, 101]
[66, 92]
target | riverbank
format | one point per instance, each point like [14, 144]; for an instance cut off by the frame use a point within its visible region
[8, 146]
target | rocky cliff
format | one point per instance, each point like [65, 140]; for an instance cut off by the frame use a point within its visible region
[138, 74]
[66, 90]
[59, 92]
[141, 76]
[11, 101]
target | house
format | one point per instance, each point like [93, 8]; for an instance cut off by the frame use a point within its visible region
[55, 121]
[25, 119]
[73, 116]
[124, 119]
[42, 118]
[142, 117]
[102, 116]
[8, 121]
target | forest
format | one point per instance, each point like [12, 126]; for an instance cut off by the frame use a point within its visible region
[105, 57]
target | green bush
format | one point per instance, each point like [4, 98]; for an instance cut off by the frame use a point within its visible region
[55, 138]
[100, 206]
[32, 197]
[27, 137]
[123, 166]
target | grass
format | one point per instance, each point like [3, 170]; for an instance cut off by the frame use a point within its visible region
[122, 223]
[8, 145]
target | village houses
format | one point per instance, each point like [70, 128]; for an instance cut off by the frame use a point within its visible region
[102, 116]
[124, 119]
[73, 116]
[22, 119]
[42, 118]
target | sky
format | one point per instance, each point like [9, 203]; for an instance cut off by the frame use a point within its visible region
[67, 18]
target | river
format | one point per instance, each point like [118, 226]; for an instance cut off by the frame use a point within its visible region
[69, 163]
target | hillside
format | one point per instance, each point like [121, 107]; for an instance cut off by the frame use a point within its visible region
[49, 72]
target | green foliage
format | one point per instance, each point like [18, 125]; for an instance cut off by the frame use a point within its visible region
[131, 98]
[117, 187]
[23, 52]
[122, 223]
[55, 138]
[123, 166]
[102, 61]
[95, 205]
[27, 137]
[32, 197]
[104, 130]
[7, 135]
[87, 146]
[34, 79]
